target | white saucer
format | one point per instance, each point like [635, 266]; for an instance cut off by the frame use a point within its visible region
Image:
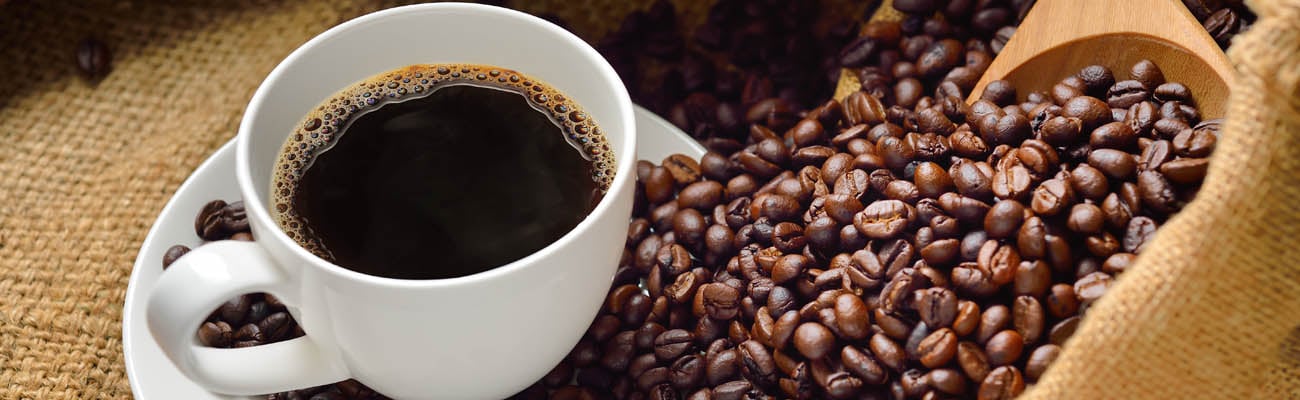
[151, 374]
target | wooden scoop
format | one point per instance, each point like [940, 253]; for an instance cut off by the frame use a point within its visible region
[1060, 37]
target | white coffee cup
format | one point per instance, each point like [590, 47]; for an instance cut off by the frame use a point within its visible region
[486, 335]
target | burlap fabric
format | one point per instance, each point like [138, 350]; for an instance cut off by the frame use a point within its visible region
[85, 167]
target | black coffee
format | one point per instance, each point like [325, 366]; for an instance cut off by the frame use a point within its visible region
[439, 171]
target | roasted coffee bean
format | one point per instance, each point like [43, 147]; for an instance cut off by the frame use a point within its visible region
[842, 207]
[636, 309]
[1118, 262]
[1148, 73]
[1060, 130]
[652, 377]
[932, 180]
[913, 383]
[684, 169]
[972, 179]
[1125, 94]
[937, 307]
[941, 252]
[1139, 232]
[1040, 359]
[659, 185]
[722, 366]
[1004, 347]
[967, 319]
[901, 190]
[1002, 383]
[617, 352]
[172, 254]
[783, 329]
[971, 359]
[645, 335]
[940, 57]
[912, 346]
[887, 352]
[675, 259]
[275, 327]
[1142, 118]
[861, 364]
[1197, 142]
[688, 228]
[716, 166]
[1052, 198]
[781, 300]
[1096, 79]
[1102, 245]
[884, 219]
[1014, 182]
[947, 380]
[895, 152]
[1061, 301]
[733, 390]
[1185, 171]
[673, 343]
[1085, 218]
[236, 309]
[233, 218]
[965, 209]
[1172, 91]
[813, 340]
[1028, 318]
[702, 195]
[852, 316]
[1168, 128]
[972, 281]
[1004, 218]
[208, 224]
[94, 59]
[993, 320]
[741, 187]
[756, 363]
[719, 240]
[999, 92]
[687, 372]
[215, 334]
[1114, 135]
[1092, 286]
[1089, 110]
[1156, 191]
[858, 52]
[250, 334]
[938, 348]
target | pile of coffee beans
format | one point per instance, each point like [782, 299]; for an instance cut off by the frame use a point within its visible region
[1223, 19]
[938, 46]
[749, 60]
[937, 251]
[257, 318]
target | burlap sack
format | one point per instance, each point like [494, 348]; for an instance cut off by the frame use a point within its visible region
[85, 167]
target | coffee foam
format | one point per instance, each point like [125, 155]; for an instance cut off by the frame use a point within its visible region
[321, 127]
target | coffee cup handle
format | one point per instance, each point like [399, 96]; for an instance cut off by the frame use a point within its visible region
[202, 280]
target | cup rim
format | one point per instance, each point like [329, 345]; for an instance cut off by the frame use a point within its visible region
[625, 160]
